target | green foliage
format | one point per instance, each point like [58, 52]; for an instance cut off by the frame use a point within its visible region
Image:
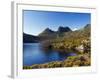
[71, 40]
[74, 40]
[73, 61]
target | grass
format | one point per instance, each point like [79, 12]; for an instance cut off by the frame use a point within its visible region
[72, 61]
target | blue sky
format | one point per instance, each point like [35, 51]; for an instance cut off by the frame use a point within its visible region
[34, 22]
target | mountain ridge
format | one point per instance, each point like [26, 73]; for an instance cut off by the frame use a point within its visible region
[48, 34]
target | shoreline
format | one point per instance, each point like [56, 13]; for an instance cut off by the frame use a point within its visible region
[72, 61]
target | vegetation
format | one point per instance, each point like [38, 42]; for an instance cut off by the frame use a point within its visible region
[71, 40]
[72, 61]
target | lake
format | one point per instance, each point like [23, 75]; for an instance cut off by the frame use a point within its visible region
[34, 54]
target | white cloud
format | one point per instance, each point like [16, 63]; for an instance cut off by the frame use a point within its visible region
[75, 29]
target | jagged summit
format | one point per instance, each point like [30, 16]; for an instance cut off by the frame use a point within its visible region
[64, 29]
[61, 29]
[47, 30]
[64, 32]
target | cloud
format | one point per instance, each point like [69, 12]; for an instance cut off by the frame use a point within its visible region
[75, 29]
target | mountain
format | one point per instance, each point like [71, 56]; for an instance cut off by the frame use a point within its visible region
[50, 34]
[87, 26]
[62, 33]
[73, 40]
[27, 38]
[46, 31]
[63, 29]
[83, 32]
[47, 34]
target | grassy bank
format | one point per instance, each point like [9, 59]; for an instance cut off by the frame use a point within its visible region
[80, 60]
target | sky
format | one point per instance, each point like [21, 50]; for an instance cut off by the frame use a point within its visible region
[34, 22]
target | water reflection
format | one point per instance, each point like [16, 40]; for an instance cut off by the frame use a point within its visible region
[34, 54]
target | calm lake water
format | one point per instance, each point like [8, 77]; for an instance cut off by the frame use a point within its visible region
[34, 54]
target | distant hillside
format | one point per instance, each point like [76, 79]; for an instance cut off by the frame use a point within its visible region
[73, 40]
[50, 34]
[30, 38]
[87, 26]
[84, 32]
[62, 33]
[47, 34]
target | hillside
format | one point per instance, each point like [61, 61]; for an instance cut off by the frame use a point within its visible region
[47, 34]
[71, 40]
[61, 34]
[50, 34]
[27, 38]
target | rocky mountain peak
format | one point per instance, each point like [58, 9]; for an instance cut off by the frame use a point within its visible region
[64, 29]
